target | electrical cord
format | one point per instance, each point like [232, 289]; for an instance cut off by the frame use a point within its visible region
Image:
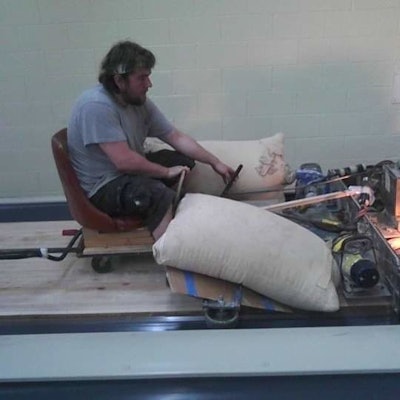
[67, 249]
[17, 254]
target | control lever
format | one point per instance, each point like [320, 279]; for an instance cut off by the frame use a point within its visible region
[178, 192]
[230, 183]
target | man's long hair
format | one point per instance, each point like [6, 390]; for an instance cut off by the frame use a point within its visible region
[122, 59]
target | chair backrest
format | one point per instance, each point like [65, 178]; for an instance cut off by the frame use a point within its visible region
[81, 209]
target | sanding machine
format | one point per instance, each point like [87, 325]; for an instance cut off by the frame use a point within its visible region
[361, 223]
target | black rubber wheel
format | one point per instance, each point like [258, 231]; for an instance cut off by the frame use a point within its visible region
[221, 318]
[102, 264]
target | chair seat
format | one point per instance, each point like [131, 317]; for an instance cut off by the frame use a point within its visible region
[124, 224]
[80, 207]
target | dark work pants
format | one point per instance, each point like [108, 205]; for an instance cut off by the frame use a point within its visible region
[136, 195]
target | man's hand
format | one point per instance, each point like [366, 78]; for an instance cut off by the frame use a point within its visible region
[189, 147]
[176, 171]
[224, 170]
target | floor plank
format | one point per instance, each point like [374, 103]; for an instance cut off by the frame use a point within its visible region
[38, 286]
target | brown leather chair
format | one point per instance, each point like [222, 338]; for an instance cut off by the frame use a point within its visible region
[81, 209]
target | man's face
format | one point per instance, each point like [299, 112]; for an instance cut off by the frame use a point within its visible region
[134, 88]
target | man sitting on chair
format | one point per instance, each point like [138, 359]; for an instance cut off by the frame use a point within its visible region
[106, 132]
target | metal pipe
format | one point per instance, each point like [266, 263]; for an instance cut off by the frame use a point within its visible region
[352, 191]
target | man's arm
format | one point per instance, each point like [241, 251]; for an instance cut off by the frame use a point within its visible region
[129, 161]
[189, 147]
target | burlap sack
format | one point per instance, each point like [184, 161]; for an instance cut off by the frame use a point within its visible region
[264, 168]
[244, 244]
[263, 163]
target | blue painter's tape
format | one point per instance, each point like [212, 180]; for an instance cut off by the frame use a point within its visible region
[190, 284]
[237, 298]
[268, 304]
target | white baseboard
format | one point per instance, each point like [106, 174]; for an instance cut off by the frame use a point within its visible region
[33, 200]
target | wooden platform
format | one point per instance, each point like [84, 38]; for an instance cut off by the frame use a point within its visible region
[137, 286]
[137, 241]
[38, 286]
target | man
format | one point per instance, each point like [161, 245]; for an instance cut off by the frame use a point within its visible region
[106, 132]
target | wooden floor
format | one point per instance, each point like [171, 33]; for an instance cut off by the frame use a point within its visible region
[137, 285]
[38, 286]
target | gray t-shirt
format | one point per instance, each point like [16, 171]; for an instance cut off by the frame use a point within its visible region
[97, 118]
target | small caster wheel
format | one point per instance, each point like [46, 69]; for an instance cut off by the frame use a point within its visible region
[101, 264]
[221, 318]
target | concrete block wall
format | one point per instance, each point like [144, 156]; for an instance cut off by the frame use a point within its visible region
[321, 71]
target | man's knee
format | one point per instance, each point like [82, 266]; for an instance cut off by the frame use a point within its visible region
[135, 196]
[135, 200]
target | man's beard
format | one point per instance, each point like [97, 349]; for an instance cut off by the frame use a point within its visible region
[133, 101]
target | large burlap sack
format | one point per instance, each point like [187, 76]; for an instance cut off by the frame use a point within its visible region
[264, 171]
[244, 244]
[264, 167]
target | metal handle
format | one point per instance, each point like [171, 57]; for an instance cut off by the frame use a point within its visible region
[178, 192]
[230, 183]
